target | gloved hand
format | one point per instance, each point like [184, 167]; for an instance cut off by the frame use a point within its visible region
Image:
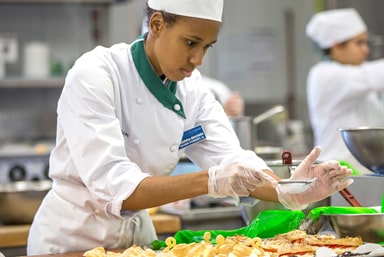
[328, 180]
[235, 179]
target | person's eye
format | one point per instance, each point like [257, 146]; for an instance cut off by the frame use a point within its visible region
[207, 46]
[191, 42]
[362, 42]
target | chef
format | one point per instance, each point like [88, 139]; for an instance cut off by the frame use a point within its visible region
[343, 90]
[126, 114]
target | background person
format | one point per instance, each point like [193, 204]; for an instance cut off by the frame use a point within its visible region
[342, 89]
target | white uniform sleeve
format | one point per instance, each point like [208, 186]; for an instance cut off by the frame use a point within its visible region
[340, 86]
[86, 113]
[374, 72]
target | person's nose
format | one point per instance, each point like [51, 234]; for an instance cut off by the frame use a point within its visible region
[196, 57]
[366, 49]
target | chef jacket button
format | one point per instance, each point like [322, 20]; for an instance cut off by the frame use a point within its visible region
[136, 141]
[139, 100]
[173, 148]
[176, 107]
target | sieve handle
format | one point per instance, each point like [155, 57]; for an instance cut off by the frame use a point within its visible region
[350, 198]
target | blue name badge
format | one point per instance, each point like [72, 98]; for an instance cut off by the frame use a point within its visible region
[192, 136]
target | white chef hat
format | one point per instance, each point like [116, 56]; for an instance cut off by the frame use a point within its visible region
[335, 26]
[204, 9]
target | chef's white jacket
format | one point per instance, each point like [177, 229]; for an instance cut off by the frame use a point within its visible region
[344, 96]
[113, 130]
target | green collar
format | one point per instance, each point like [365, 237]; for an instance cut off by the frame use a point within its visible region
[164, 93]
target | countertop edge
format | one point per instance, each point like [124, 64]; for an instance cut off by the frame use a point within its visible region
[17, 235]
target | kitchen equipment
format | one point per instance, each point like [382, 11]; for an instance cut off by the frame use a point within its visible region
[246, 126]
[278, 117]
[283, 171]
[367, 146]
[318, 216]
[36, 60]
[305, 182]
[268, 152]
[268, 114]
[367, 188]
[20, 200]
[24, 161]
[350, 198]
[370, 226]
[245, 131]
[296, 186]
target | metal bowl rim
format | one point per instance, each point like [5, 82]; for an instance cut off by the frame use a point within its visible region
[361, 129]
[353, 215]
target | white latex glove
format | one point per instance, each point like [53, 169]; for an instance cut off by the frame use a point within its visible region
[235, 179]
[328, 180]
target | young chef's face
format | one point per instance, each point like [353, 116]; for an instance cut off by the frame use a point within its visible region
[176, 49]
[354, 51]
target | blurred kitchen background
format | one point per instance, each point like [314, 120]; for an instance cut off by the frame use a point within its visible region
[262, 52]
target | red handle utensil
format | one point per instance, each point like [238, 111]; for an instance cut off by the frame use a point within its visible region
[350, 198]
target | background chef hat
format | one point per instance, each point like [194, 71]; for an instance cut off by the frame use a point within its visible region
[204, 9]
[335, 26]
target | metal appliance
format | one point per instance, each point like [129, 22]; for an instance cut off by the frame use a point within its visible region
[246, 127]
[24, 162]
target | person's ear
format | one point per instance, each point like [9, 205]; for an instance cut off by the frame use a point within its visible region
[156, 22]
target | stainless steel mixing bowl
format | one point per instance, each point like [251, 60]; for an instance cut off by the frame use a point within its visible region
[367, 146]
[20, 200]
[370, 227]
